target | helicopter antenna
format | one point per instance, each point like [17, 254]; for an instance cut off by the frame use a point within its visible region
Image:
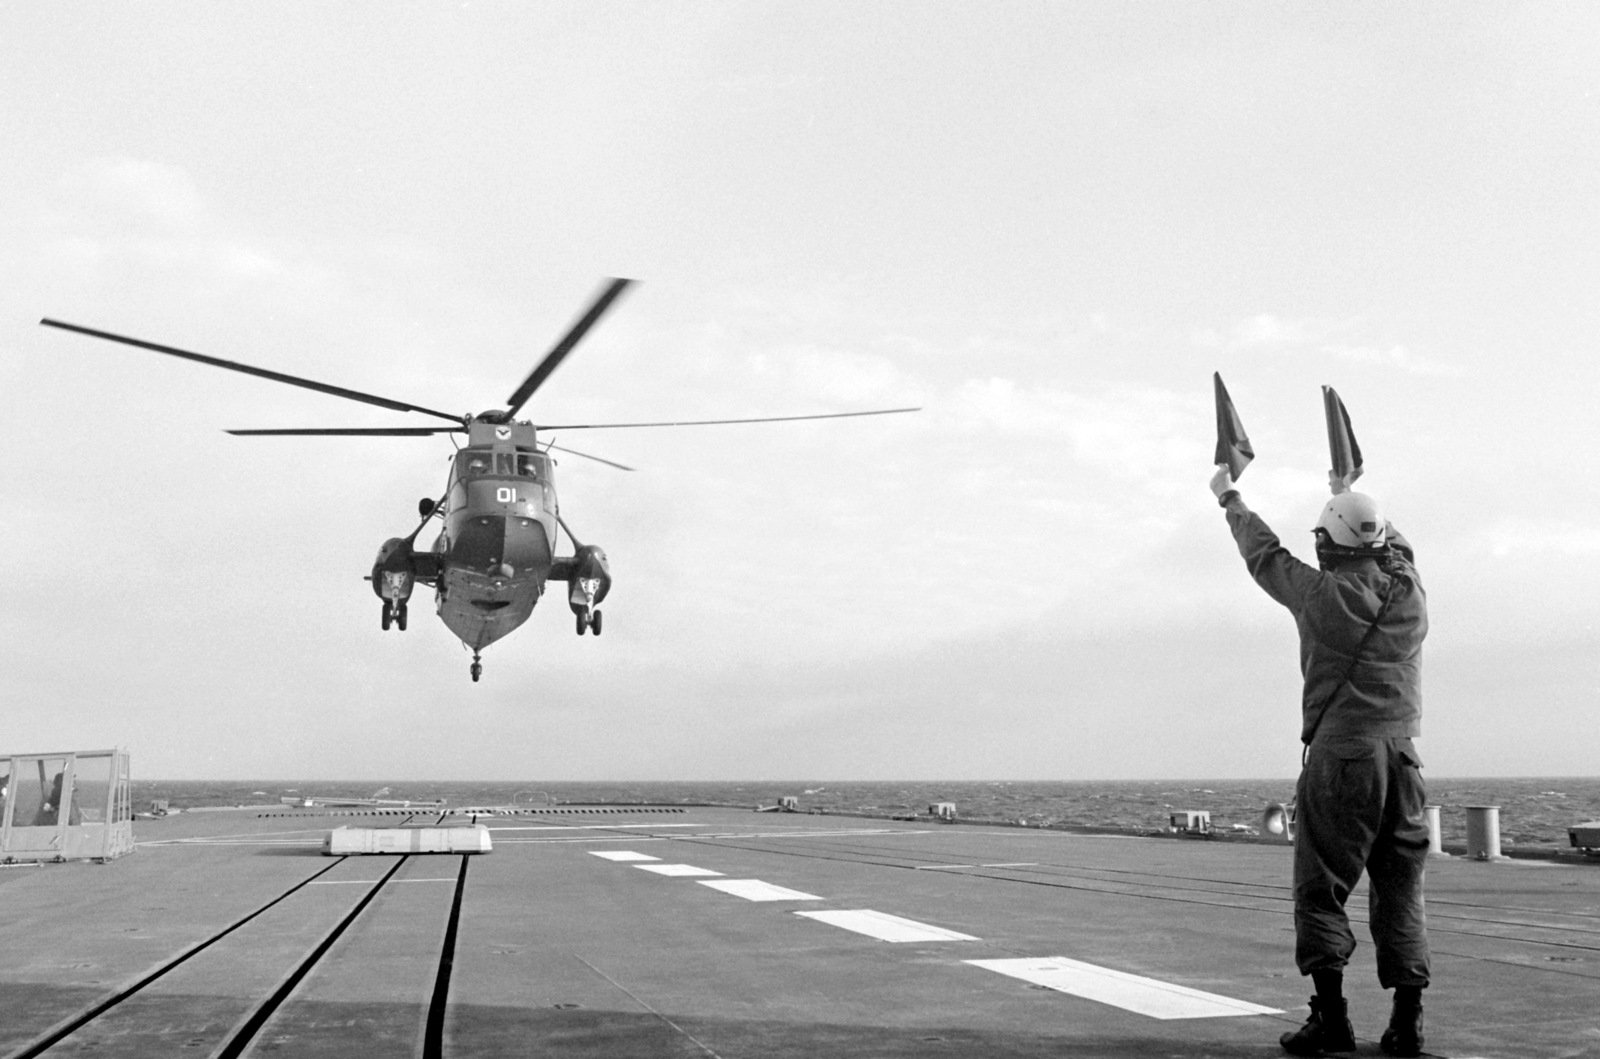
[576, 543]
[437, 509]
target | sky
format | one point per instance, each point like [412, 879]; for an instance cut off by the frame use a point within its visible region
[1046, 224]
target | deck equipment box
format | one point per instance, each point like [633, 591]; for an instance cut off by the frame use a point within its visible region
[1585, 836]
[346, 841]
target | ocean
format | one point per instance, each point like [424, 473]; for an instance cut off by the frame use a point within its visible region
[1534, 812]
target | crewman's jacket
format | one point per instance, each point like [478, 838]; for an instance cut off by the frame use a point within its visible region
[1333, 609]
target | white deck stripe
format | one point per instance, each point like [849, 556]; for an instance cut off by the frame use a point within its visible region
[676, 869]
[798, 833]
[1131, 992]
[885, 927]
[584, 827]
[344, 882]
[621, 854]
[756, 890]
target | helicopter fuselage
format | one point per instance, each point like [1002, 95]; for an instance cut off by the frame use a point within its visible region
[496, 550]
[497, 546]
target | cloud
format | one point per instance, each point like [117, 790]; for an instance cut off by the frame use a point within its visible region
[849, 380]
[1266, 332]
[1398, 357]
[1259, 331]
[1122, 430]
[152, 191]
[1550, 537]
[110, 217]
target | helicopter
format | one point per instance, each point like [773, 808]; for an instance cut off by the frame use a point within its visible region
[495, 553]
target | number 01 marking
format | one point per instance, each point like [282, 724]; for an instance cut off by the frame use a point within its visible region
[506, 494]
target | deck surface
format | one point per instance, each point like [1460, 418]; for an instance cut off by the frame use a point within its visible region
[720, 932]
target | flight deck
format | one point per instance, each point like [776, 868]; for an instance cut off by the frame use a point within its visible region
[673, 931]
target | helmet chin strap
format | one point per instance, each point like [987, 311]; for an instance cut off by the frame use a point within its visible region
[1330, 555]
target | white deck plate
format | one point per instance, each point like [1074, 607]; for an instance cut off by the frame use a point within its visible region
[756, 890]
[620, 855]
[1131, 992]
[885, 927]
[678, 870]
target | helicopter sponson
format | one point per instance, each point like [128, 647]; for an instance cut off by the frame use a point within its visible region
[588, 577]
[395, 574]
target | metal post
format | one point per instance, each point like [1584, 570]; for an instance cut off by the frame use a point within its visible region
[1435, 837]
[1483, 832]
[8, 797]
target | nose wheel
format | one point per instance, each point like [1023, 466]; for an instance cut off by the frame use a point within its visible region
[477, 668]
[588, 621]
[394, 614]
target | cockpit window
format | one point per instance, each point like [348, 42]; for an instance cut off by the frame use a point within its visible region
[471, 464]
[474, 463]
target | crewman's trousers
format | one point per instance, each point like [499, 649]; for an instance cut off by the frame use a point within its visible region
[1359, 806]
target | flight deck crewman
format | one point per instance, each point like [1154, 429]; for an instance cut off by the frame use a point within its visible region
[1359, 801]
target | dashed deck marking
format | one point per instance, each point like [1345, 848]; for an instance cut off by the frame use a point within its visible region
[1131, 992]
[621, 855]
[679, 870]
[885, 927]
[756, 890]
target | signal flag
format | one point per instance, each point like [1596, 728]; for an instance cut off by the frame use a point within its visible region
[1233, 447]
[1343, 451]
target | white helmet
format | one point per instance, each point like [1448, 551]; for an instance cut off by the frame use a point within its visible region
[1352, 521]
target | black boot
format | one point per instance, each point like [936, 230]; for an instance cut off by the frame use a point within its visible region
[1404, 1035]
[1327, 1030]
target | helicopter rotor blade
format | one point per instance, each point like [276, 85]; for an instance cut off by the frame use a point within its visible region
[374, 432]
[722, 422]
[585, 455]
[275, 376]
[553, 359]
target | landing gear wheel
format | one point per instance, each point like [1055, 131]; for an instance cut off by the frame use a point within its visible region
[582, 624]
[400, 617]
[477, 668]
[595, 625]
[388, 616]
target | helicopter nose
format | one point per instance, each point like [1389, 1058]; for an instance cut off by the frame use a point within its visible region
[502, 547]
